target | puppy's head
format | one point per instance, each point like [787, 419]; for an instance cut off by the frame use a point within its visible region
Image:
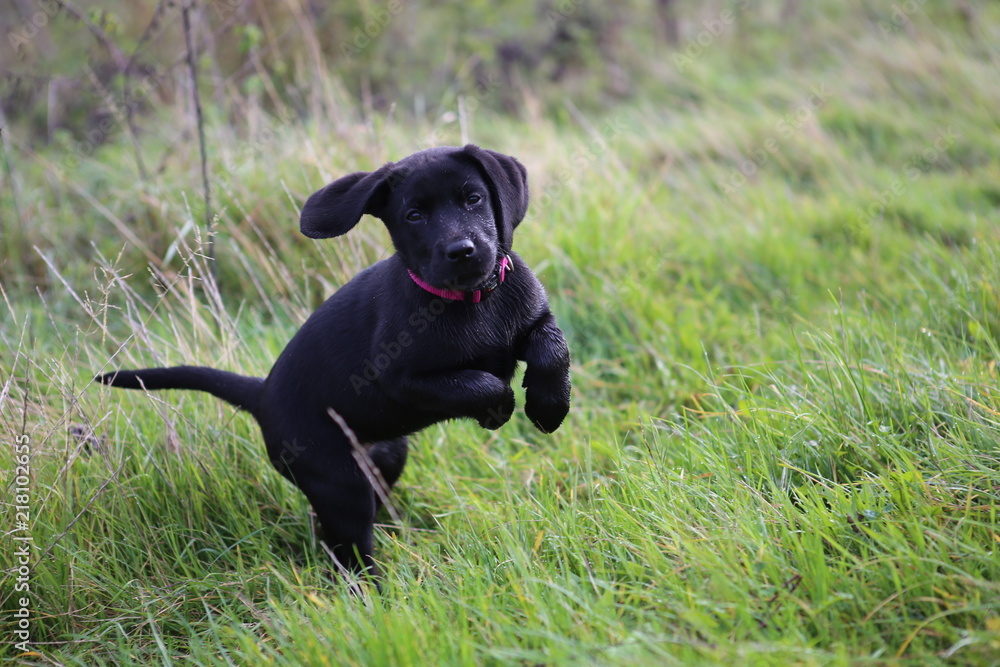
[451, 212]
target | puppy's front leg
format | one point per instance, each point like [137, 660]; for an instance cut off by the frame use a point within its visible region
[466, 393]
[546, 378]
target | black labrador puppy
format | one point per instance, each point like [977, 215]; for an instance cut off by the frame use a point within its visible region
[432, 333]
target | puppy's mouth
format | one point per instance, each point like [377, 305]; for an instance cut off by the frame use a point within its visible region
[471, 286]
[460, 276]
[468, 276]
[477, 279]
[466, 281]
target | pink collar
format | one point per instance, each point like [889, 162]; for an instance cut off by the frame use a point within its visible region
[475, 296]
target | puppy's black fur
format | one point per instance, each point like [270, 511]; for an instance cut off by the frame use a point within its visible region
[389, 356]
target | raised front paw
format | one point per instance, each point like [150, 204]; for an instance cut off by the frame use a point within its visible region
[547, 406]
[496, 415]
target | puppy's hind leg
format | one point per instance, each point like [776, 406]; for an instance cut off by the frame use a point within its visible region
[345, 503]
[323, 466]
[389, 456]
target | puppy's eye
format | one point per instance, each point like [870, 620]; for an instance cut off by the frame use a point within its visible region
[413, 215]
[473, 199]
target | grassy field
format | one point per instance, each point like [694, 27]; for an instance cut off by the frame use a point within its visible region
[779, 274]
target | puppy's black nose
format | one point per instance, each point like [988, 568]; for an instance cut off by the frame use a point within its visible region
[459, 250]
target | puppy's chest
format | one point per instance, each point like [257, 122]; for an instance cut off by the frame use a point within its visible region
[463, 334]
[478, 335]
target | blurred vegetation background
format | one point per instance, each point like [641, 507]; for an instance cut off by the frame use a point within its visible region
[64, 62]
[412, 57]
[407, 57]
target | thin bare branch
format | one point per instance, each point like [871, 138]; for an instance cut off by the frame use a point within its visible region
[121, 62]
[193, 68]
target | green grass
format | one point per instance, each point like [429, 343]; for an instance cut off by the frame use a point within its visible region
[785, 440]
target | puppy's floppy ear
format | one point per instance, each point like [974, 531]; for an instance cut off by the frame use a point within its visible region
[508, 182]
[335, 209]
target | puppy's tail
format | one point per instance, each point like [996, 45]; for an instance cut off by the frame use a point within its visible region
[239, 390]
